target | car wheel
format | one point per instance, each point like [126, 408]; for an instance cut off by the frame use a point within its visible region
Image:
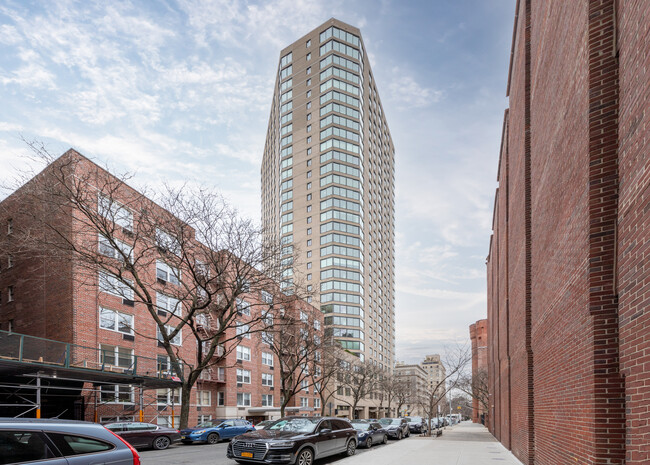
[161, 443]
[306, 457]
[369, 443]
[213, 438]
[385, 441]
[351, 449]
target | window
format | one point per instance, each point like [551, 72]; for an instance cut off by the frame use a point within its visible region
[267, 337]
[168, 421]
[10, 226]
[167, 243]
[308, 127]
[203, 398]
[115, 286]
[308, 116]
[309, 95]
[309, 265]
[309, 251]
[309, 174]
[10, 294]
[309, 151]
[167, 273]
[168, 396]
[309, 278]
[317, 325]
[267, 297]
[308, 219]
[115, 212]
[304, 402]
[243, 353]
[308, 230]
[309, 82]
[308, 44]
[10, 261]
[309, 139]
[267, 359]
[267, 400]
[115, 321]
[316, 403]
[308, 56]
[309, 70]
[308, 197]
[308, 242]
[203, 418]
[115, 356]
[243, 399]
[308, 106]
[243, 376]
[176, 340]
[116, 393]
[168, 304]
[267, 379]
[243, 307]
[243, 330]
[221, 398]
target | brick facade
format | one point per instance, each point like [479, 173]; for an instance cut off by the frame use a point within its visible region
[60, 299]
[567, 270]
[478, 335]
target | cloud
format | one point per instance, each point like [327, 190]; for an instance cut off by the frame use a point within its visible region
[406, 93]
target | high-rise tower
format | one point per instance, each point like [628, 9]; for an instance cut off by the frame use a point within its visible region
[328, 177]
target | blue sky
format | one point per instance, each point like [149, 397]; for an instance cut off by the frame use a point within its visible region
[180, 92]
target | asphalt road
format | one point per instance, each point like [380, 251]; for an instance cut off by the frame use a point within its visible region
[205, 454]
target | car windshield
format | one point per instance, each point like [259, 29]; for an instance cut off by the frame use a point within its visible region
[210, 423]
[415, 420]
[391, 421]
[298, 425]
[360, 426]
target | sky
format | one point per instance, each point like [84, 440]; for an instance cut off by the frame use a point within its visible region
[179, 92]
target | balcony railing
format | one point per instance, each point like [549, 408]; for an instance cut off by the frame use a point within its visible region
[30, 349]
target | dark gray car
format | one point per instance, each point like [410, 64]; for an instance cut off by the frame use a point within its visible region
[62, 442]
[396, 428]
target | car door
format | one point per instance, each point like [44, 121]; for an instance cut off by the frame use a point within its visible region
[376, 434]
[241, 426]
[325, 440]
[139, 434]
[341, 434]
[27, 446]
[227, 429]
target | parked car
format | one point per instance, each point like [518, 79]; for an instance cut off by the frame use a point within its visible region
[417, 425]
[299, 440]
[369, 433]
[213, 431]
[145, 434]
[264, 424]
[62, 442]
[397, 428]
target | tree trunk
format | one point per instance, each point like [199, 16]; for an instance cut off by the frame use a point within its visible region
[186, 391]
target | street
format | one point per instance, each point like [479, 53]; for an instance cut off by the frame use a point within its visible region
[205, 454]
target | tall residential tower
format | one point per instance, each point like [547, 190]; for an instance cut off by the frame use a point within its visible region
[328, 177]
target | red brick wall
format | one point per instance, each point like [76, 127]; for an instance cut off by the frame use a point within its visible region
[577, 225]
[478, 334]
[634, 222]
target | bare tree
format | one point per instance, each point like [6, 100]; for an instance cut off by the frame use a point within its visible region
[361, 378]
[392, 387]
[185, 257]
[455, 363]
[323, 378]
[295, 337]
[476, 386]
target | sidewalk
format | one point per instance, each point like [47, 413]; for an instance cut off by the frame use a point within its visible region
[463, 444]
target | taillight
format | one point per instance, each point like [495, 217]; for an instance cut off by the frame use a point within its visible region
[136, 457]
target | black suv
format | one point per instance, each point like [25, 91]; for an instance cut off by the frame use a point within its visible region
[295, 440]
[397, 428]
[417, 425]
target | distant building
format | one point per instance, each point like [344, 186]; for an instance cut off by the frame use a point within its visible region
[478, 333]
[415, 378]
[436, 373]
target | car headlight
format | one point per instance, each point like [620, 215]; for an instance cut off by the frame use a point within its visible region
[281, 444]
[201, 431]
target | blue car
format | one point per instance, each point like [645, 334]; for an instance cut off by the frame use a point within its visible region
[213, 431]
[369, 433]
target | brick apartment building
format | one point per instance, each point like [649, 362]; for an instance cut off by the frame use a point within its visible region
[568, 269]
[478, 333]
[49, 294]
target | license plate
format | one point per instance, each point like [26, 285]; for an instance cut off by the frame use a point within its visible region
[182, 437]
[247, 454]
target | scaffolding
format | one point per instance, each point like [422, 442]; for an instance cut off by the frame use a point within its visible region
[36, 365]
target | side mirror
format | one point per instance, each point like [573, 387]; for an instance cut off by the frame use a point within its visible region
[325, 431]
